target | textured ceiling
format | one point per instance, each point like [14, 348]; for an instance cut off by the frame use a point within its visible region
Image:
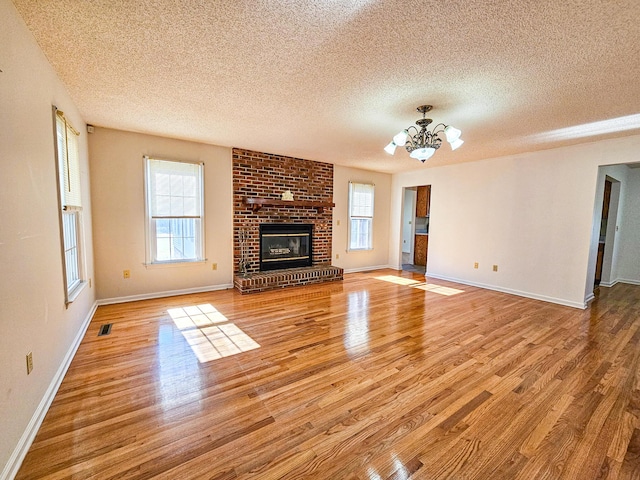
[334, 80]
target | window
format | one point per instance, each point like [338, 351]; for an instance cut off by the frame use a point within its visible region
[70, 204]
[175, 220]
[71, 250]
[360, 216]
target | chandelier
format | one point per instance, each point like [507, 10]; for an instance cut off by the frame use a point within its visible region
[422, 144]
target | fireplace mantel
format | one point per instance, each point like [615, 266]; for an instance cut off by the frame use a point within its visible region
[256, 203]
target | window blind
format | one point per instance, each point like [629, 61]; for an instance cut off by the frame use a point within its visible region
[361, 200]
[174, 189]
[67, 142]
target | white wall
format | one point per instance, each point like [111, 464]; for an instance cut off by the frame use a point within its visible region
[117, 174]
[628, 265]
[33, 317]
[530, 214]
[360, 260]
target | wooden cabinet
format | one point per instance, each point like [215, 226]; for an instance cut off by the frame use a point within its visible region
[421, 244]
[420, 250]
[423, 207]
[422, 201]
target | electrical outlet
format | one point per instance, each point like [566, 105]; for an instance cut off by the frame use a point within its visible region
[214, 266]
[495, 268]
[475, 265]
[126, 273]
[337, 223]
[29, 363]
[337, 256]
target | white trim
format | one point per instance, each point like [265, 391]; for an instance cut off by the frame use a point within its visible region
[620, 280]
[175, 263]
[534, 296]
[367, 269]
[75, 292]
[17, 457]
[171, 293]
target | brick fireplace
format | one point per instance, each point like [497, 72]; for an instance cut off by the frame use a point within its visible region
[262, 178]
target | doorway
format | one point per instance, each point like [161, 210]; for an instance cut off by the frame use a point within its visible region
[415, 228]
[607, 232]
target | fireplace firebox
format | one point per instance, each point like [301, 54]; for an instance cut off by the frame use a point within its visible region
[285, 245]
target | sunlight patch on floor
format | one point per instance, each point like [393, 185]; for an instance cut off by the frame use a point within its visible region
[429, 287]
[439, 289]
[397, 280]
[209, 333]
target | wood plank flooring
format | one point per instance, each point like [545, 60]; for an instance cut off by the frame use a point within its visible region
[378, 377]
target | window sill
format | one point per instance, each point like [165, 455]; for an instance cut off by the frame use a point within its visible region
[353, 250]
[75, 292]
[185, 263]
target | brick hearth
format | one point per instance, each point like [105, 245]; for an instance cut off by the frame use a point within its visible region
[262, 281]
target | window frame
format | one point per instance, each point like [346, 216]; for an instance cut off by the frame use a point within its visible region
[352, 216]
[151, 237]
[69, 206]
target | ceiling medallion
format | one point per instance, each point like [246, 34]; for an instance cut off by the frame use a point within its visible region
[423, 143]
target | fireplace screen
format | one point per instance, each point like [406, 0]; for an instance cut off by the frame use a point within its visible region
[285, 246]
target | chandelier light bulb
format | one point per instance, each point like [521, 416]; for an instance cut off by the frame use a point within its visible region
[401, 138]
[456, 143]
[391, 148]
[452, 134]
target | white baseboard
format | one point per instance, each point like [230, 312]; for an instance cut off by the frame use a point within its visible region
[544, 298]
[620, 280]
[171, 293]
[17, 457]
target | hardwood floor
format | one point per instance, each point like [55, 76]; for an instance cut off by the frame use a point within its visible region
[377, 377]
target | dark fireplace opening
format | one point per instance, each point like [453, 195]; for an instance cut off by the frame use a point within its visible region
[285, 245]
